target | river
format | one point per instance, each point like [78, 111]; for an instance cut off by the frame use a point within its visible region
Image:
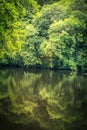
[35, 99]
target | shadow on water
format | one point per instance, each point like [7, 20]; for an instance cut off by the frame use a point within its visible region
[42, 100]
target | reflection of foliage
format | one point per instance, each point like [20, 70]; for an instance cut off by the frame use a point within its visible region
[59, 103]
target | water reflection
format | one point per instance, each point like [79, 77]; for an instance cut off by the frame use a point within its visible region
[54, 100]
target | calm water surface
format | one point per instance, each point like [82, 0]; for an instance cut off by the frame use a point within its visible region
[42, 100]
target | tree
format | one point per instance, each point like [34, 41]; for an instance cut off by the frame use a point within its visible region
[57, 34]
[30, 50]
[62, 43]
[46, 16]
[12, 34]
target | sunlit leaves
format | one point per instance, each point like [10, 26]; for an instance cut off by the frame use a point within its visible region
[65, 36]
[50, 35]
[12, 27]
[29, 52]
[48, 14]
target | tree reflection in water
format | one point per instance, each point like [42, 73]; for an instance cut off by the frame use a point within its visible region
[53, 99]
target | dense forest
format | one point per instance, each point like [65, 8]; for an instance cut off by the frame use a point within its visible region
[44, 33]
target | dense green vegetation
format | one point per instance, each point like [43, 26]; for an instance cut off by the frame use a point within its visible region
[59, 103]
[44, 33]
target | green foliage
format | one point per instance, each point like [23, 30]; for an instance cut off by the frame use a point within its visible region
[63, 35]
[50, 34]
[30, 51]
[12, 28]
[42, 2]
[46, 16]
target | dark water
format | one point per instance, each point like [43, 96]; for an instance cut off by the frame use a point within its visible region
[42, 100]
